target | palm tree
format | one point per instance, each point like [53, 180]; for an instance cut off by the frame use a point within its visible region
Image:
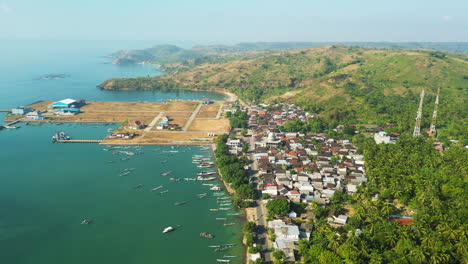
[333, 241]
[386, 209]
[439, 258]
[419, 254]
[391, 239]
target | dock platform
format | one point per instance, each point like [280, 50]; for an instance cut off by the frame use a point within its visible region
[79, 141]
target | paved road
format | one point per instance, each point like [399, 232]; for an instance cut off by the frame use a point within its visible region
[194, 114]
[151, 125]
[261, 212]
[220, 111]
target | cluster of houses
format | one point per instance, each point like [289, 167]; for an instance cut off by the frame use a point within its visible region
[165, 124]
[307, 168]
[28, 112]
[64, 107]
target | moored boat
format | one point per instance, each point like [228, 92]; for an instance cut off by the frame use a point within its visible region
[167, 229]
[157, 188]
[206, 235]
[200, 178]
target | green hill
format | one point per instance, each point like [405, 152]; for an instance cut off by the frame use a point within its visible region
[344, 84]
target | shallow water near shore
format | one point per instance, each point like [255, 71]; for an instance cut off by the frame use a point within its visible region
[47, 189]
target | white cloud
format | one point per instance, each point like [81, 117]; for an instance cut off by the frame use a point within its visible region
[4, 8]
[446, 18]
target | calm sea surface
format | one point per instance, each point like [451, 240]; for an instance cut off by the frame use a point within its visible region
[47, 189]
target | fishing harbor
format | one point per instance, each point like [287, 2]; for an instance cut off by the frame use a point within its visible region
[79, 203]
[190, 122]
[149, 182]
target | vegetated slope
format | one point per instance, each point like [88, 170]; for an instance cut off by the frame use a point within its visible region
[346, 84]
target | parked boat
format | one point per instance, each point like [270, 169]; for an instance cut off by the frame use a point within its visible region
[125, 173]
[167, 229]
[206, 173]
[190, 179]
[200, 178]
[229, 256]
[214, 209]
[174, 179]
[138, 186]
[229, 224]
[206, 235]
[216, 246]
[215, 188]
[163, 192]
[223, 260]
[202, 195]
[225, 204]
[224, 208]
[157, 188]
[180, 203]
[205, 165]
[236, 214]
[86, 222]
[221, 218]
[163, 161]
[167, 173]
[57, 136]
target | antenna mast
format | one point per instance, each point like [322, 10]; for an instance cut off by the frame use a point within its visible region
[417, 126]
[432, 130]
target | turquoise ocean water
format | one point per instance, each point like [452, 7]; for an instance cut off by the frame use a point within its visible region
[47, 189]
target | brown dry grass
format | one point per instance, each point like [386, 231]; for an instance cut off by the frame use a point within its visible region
[209, 111]
[210, 125]
[164, 137]
[128, 106]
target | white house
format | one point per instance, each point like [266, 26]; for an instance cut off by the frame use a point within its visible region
[383, 137]
[234, 143]
[34, 115]
[292, 214]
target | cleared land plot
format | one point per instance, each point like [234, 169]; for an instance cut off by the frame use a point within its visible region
[209, 125]
[104, 117]
[127, 106]
[209, 111]
[179, 112]
[164, 137]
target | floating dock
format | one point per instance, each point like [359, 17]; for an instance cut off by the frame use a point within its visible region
[79, 141]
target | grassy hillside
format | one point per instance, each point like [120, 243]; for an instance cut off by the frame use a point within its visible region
[345, 84]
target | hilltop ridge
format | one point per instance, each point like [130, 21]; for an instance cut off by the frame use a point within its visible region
[345, 83]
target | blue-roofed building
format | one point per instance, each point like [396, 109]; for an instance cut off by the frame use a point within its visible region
[70, 110]
[66, 103]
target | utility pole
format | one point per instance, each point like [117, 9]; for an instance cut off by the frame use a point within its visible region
[432, 130]
[417, 126]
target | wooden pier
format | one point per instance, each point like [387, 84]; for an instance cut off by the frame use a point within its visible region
[79, 141]
[12, 123]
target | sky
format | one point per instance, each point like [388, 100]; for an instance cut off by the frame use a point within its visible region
[234, 21]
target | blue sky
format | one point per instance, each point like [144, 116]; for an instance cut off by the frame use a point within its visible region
[233, 21]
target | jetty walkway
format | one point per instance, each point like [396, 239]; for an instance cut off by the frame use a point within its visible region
[79, 141]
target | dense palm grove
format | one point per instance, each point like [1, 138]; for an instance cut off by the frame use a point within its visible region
[232, 172]
[407, 178]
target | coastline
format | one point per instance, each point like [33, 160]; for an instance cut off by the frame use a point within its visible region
[249, 212]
